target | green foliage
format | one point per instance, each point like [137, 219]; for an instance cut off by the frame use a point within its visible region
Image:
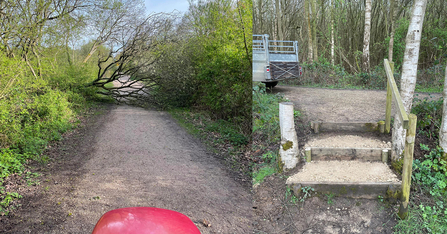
[11, 162]
[329, 197]
[261, 173]
[5, 200]
[424, 219]
[228, 132]
[290, 196]
[323, 74]
[306, 192]
[430, 177]
[431, 173]
[209, 68]
[429, 113]
[266, 115]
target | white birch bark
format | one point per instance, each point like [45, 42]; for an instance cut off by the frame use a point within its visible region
[309, 32]
[409, 72]
[367, 36]
[443, 130]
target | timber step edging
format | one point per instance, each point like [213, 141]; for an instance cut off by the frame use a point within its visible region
[318, 126]
[360, 154]
[369, 190]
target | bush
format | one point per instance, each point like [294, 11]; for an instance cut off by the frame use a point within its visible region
[429, 113]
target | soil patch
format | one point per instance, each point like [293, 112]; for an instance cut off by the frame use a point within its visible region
[278, 212]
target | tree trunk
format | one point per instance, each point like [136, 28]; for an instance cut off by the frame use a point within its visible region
[392, 18]
[366, 36]
[309, 31]
[278, 20]
[409, 72]
[443, 130]
[92, 51]
[314, 29]
[332, 33]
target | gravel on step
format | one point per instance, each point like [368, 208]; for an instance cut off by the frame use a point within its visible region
[344, 171]
[347, 141]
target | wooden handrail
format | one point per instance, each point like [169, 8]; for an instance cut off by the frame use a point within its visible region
[392, 87]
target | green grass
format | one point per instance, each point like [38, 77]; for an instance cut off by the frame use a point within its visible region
[261, 173]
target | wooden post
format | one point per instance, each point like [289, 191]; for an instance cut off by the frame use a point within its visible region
[308, 153]
[389, 97]
[408, 166]
[317, 127]
[288, 150]
[384, 155]
[381, 126]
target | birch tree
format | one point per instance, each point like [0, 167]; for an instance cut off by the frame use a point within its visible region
[443, 129]
[367, 36]
[309, 31]
[409, 72]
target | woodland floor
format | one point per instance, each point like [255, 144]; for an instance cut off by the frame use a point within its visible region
[276, 212]
[127, 156]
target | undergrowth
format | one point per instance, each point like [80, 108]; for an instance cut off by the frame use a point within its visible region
[220, 136]
[323, 74]
[428, 197]
[266, 132]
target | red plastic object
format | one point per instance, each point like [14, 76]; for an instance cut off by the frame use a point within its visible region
[144, 220]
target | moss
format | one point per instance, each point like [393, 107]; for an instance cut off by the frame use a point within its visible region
[343, 190]
[287, 145]
[397, 165]
[394, 194]
[371, 127]
[280, 165]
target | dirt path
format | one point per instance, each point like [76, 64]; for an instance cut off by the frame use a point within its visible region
[331, 105]
[133, 157]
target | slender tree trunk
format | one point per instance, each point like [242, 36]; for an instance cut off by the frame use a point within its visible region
[332, 33]
[278, 20]
[392, 19]
[314, 29]
[260, 22]
[92, 51]
[366, 36]
[443, 130]
[409, 72]
[309, 31]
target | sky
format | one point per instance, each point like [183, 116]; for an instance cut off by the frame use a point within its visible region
[166, 5]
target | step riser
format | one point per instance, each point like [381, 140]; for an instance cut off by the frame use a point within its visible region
[346, 127]
[360, 154]
[353, 190]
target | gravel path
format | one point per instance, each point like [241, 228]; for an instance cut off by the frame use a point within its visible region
[332, 105]
[135, 157]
